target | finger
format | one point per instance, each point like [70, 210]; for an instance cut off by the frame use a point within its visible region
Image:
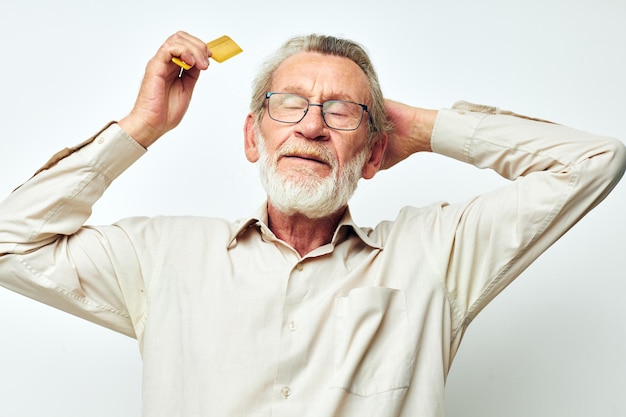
[187, 48]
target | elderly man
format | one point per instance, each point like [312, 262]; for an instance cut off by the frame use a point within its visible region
[297, 311]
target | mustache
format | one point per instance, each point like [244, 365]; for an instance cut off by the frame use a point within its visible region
[310, 150]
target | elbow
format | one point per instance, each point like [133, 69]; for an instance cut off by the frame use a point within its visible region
[609, 166]
[617, 163]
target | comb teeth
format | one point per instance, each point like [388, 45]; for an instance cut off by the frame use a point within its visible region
[223, 48]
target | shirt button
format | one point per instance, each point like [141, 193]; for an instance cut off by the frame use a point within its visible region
[293, 327]
[286, 391]
[299, 266]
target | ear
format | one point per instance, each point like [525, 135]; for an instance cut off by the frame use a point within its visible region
[372, 165]
[251, 139]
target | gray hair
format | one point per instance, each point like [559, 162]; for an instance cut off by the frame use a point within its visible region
[327, 45]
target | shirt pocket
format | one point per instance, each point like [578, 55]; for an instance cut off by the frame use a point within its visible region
[371, 352]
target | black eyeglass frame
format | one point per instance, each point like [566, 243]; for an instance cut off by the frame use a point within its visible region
[364, 107]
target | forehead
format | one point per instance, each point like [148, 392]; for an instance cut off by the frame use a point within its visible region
[322, 77]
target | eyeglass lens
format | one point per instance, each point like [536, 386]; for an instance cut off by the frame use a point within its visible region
[338, 114]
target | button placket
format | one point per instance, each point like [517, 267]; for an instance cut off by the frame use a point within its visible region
[297, 288]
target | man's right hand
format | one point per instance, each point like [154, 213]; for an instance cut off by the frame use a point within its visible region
[164, 96]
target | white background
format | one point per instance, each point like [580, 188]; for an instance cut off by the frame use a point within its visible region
[552, 344]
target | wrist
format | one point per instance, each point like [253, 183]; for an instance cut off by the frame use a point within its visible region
[423, 128]
[141, 132]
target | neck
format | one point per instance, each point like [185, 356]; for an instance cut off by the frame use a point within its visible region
[302, 233]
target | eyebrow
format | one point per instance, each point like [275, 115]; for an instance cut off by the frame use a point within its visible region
[303, 92]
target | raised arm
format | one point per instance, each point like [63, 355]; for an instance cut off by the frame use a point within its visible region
[558, 174]
[46, 252]
[165, 91]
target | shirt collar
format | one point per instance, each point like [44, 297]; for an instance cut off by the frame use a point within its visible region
[259, 219]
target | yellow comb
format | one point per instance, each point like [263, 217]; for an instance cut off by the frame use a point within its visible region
[222, 48]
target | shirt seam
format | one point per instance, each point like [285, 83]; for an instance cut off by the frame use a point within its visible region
[44, 280]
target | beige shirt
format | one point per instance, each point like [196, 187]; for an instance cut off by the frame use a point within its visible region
[232, 321]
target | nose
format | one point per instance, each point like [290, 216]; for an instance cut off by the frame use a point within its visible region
[313, 126]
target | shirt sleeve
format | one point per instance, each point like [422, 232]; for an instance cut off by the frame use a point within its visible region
[558, 174]
[47, 254]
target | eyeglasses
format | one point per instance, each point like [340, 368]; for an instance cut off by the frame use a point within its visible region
[337, 114]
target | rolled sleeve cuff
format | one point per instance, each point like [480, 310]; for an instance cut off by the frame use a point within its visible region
[454, 131]
[112, 151]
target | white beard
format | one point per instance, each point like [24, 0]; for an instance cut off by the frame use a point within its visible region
[307, 193]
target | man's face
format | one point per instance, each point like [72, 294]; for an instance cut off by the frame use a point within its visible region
[308, 154]
[318, 78]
